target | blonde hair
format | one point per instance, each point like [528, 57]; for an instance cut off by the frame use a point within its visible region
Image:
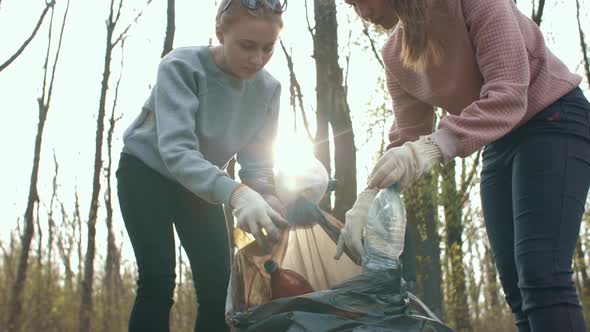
[234, 10]
[419, 47]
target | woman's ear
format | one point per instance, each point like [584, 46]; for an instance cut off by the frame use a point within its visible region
[219, 33]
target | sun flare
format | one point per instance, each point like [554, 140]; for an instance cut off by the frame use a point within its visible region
[293, 153]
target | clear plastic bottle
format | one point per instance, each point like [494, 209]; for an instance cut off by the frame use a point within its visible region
[385, 230]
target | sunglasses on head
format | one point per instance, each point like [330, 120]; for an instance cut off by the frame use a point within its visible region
[277, 6]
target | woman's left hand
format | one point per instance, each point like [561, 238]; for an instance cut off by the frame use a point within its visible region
[276, 204]
[405, 164]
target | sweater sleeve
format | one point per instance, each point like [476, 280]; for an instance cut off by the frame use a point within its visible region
[412, 117]
[176, 101]
[256, 158]
[502, 57]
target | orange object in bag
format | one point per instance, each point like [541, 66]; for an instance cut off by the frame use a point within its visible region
[285, 282]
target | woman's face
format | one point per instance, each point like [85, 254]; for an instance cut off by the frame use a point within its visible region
[248, 44]
[378, 12]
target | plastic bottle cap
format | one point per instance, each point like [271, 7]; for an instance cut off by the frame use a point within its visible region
[270, 266]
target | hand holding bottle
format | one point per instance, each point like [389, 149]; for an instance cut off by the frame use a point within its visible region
[356, 219]
[253, 214]
[405, 164]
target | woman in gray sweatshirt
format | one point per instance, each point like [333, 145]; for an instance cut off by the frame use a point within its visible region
[207, 105]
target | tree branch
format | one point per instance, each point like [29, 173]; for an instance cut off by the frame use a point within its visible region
[347, 57]
[41, 100]
[467, 184]
[538, 13]
[119, 10]
[296, 92]
[372, 43]
[583, 44]
[57, 52]
[309, 28]
[170, 28]
[48, 6]
[124, 33]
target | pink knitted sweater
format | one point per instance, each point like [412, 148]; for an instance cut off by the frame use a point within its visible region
[496, 74]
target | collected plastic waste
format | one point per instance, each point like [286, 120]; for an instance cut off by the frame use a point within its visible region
[285, 282]
[385, 230]
[299, 286]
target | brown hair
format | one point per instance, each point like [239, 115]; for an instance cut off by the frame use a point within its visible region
[419, 47]
[234, 10]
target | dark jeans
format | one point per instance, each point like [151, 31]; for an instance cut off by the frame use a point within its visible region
[151, 205]
[534, 184]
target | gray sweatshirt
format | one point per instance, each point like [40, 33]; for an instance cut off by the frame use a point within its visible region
[197, 117]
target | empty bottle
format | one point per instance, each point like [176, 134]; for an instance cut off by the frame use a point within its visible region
[385, 230]
[285, 282]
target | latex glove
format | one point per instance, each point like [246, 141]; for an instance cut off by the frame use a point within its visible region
[405, 164]
[253, 214]
[354, 224]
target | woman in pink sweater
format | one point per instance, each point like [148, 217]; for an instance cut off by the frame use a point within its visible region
[487, 66]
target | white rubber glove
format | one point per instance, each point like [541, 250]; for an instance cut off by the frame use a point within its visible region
[253, 214]
[354, 224]
[405, 164]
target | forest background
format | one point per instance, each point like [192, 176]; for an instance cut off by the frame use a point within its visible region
[74, 74]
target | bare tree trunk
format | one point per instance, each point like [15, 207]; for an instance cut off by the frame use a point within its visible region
[179, 289]
[14, 322]
[322, 152]
[48, 6]
[493, 289]
[422, 222]
[474, 286]
[583, 268]
[50, 217]
[583, 283]
[39, 237]
[78, 224]
[537, 14]
[37, 298]
[322, 134]
[332, 109]
[170, 28]
[458, 307]
[65, 246]
[112, 273]
[577, 274]
[583, 44]
[86, 305]
[344, 156]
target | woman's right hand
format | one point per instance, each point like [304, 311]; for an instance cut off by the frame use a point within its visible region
[253, 214]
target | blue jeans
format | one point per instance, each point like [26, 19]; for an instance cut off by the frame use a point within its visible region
[534, 184]
[151, 205]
